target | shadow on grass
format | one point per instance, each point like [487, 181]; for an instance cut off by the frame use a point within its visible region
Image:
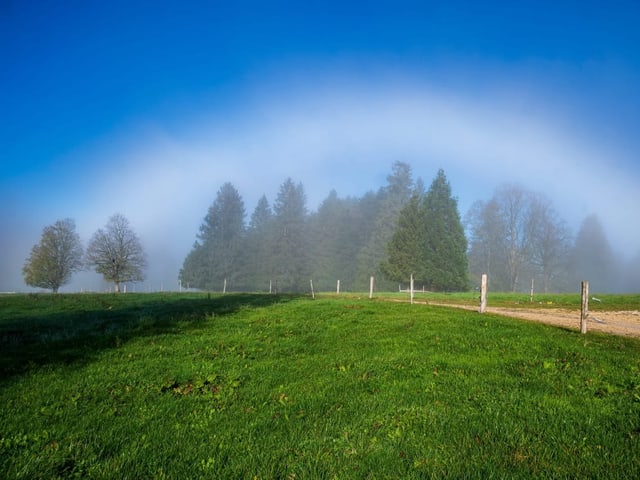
[45, 329]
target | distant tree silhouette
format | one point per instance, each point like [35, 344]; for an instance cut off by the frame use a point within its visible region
[592, 258]
[518, 235]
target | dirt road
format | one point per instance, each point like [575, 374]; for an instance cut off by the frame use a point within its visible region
[616, 322]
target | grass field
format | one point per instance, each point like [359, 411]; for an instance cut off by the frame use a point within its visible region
[259, 386]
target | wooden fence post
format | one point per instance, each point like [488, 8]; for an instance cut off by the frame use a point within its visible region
[483, 293]
[313, 295]
[531, 295]
[224, 286]
[338, 288]
[371, 287]
[411, 289]
[584, 310]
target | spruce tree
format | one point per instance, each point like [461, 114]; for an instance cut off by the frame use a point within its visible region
[216, 253]
[325, 232]
[258, 264]
[445, 256]
[405, 251]
[289, 247]
[391, 199]
[336, 233]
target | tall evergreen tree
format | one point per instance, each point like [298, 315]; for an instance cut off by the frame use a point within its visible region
[392, 198]
[215, 255]
[335, 237]
[445, 258]
[325, 232]
[289, 248]
[406, 249]
[429, 241]
[258, 264]
[195, 268]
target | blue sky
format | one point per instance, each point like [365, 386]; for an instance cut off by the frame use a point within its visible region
[147, 108]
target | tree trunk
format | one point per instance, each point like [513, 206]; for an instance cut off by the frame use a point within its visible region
[116, 287]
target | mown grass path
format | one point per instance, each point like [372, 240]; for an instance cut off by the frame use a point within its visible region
[244, 386]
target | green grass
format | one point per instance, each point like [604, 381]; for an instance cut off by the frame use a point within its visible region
[244, 386]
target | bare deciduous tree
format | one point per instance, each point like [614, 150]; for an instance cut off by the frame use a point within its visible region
[550, 243]
[517, 233]
[116, 253]
[501, 235]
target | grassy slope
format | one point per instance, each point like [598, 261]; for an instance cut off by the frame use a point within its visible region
[170, 386]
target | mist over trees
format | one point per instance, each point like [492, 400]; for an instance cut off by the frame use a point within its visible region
[257, 262]
[632, 275]
[337, 233]
[592, 257]
[391, 199]
[55, 258]
[550, 245]
[517, 236]
[347, 239]
[397, 231]
[289, 244]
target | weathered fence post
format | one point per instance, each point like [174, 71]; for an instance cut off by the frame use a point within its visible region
[313, 295]
[338, 288]
[224, 286]
[483, 293]
[411, 288]
[531, 296]
[584, 310]
[371, 287]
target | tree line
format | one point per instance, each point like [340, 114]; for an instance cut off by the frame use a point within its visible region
[403, 229]
[347, 239]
